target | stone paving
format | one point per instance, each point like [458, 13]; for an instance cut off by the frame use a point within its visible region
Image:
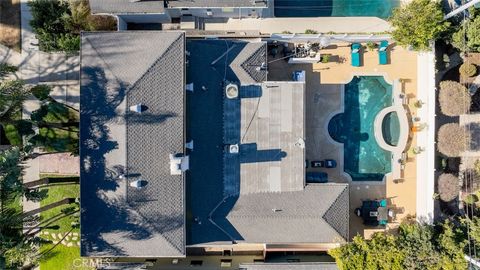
[60, 163]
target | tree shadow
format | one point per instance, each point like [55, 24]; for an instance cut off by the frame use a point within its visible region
[102, 212]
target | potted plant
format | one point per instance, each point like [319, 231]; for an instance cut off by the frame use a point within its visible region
[371, 45]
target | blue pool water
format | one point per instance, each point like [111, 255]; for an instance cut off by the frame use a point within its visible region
[334, 8]
[365, 97]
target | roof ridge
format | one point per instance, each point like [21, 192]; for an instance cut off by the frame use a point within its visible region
[331, 212]
[99, 55]
[155, 62]
[245, 63]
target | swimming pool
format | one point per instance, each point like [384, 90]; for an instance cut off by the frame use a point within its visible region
[334, 8]
[365, 97]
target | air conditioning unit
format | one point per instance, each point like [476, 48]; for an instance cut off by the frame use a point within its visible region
[209, 13]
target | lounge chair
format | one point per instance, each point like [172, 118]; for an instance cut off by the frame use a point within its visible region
[382, 53]
[356, 47]
[383, 203]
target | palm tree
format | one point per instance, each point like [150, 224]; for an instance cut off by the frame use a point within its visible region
[12, 95]
[10, 176]
[6, 69]
[16, 248]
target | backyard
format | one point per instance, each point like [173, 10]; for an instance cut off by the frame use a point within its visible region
[65, 255]
[10, 34]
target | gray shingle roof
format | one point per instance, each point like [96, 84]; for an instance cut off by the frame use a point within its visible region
[246, 65]
[126, 6]
[300, 216]
[121, 69]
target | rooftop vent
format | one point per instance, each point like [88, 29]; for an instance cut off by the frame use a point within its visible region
[263, 66]
[189, 87]
[139, 184]
[189, 145]
[138, 108]
[231, 91]
[178, 164]
[233, 149]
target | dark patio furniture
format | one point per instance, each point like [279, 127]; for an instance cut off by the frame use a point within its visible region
[373, 212]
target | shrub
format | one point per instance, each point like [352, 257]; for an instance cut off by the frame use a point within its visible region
[448, 187]
[325, 58]
[468, 70]
[468, 39]
[371, 45]
[310, 31]
[12, 135]
[6, 69]
[41, 92]
[471, 199]
[57, 23]
[417, 31]
[454, 98]
[452, 140]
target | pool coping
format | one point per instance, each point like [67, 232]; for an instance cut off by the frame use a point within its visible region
[394, 154]
[397, 150]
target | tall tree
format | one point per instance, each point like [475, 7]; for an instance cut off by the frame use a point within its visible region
[10, 175]
[417, 23]
[467, 38]
[415, 246]
[6, 69]
[12, 95]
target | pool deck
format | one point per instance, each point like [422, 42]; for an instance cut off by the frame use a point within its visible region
[299, 25]
[324, 99]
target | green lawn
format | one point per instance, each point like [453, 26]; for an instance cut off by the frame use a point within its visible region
[62, 257]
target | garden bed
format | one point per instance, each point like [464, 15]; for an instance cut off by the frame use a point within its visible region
[10, 24]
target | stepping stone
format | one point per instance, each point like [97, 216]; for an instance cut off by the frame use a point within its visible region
[67, 238]
[78, 243]
[54, 236]
[75, 234]
[46, 233]
[60, 236]
[69, 244]
[55, 242]
[74, 238]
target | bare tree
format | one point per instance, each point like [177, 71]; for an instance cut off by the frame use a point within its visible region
[454, 98]
[452, 139]
[448, 187]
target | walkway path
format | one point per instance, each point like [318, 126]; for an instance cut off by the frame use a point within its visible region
[56, 69]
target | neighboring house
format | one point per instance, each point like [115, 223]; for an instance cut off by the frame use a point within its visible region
[220, 147]
[164, 12]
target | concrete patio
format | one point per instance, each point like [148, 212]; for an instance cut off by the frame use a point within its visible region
[324, 99]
